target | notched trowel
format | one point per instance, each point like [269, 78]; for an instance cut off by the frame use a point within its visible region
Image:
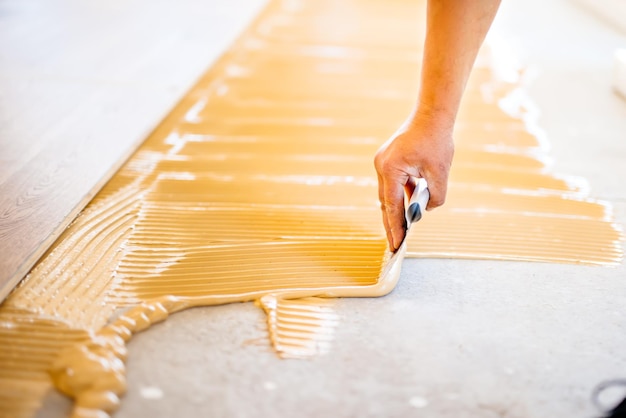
[415, 207]
[390, 272]
[417, 204]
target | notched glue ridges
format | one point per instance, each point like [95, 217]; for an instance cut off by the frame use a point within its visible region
[260, 186]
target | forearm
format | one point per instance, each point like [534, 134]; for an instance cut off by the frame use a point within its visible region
[455, 32]
[423, 147]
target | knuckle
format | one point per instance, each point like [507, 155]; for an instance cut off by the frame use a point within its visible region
[384, 166]
[436, 202]
[393, 206]
[379, 160]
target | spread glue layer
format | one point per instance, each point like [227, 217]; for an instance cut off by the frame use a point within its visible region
[259, 186]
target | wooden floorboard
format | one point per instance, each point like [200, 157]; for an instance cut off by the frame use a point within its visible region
[81, 85]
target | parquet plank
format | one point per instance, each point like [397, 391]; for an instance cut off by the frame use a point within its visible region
[81, 85]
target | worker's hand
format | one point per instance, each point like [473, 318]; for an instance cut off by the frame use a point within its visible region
[421, 148]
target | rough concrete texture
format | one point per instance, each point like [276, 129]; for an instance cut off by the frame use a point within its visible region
[458, 338]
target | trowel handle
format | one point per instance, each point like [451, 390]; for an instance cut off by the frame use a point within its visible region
[418, 201]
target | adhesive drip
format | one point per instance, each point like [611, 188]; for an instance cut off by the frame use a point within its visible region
[301, 327]
[260, 186]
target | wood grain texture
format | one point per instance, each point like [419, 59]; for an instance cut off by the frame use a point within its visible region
[81, 86]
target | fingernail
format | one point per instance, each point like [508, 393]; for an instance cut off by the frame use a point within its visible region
[399, 238]
[395, 243]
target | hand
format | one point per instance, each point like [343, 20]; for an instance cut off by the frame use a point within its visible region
[421, 148]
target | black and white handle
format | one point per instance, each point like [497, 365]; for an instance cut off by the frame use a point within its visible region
[417, 202]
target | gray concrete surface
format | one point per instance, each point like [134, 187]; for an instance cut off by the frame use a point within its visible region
[457, 338]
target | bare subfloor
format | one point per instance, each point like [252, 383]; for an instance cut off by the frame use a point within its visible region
[456, 338]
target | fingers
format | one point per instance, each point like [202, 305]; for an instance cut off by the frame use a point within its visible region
[410, 186]
[391, 196]
[381, 199]
[438, 188]
[393, 207]
[437, 176]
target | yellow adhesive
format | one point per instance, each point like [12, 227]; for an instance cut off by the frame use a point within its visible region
[260, 186]
[299, 328]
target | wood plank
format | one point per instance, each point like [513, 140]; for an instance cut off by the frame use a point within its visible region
[82, 84]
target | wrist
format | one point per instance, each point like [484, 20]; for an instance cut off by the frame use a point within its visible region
[440, 119]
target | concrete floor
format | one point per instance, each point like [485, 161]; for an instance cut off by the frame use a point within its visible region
[458, 338]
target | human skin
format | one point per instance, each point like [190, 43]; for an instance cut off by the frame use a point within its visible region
[423, 146]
